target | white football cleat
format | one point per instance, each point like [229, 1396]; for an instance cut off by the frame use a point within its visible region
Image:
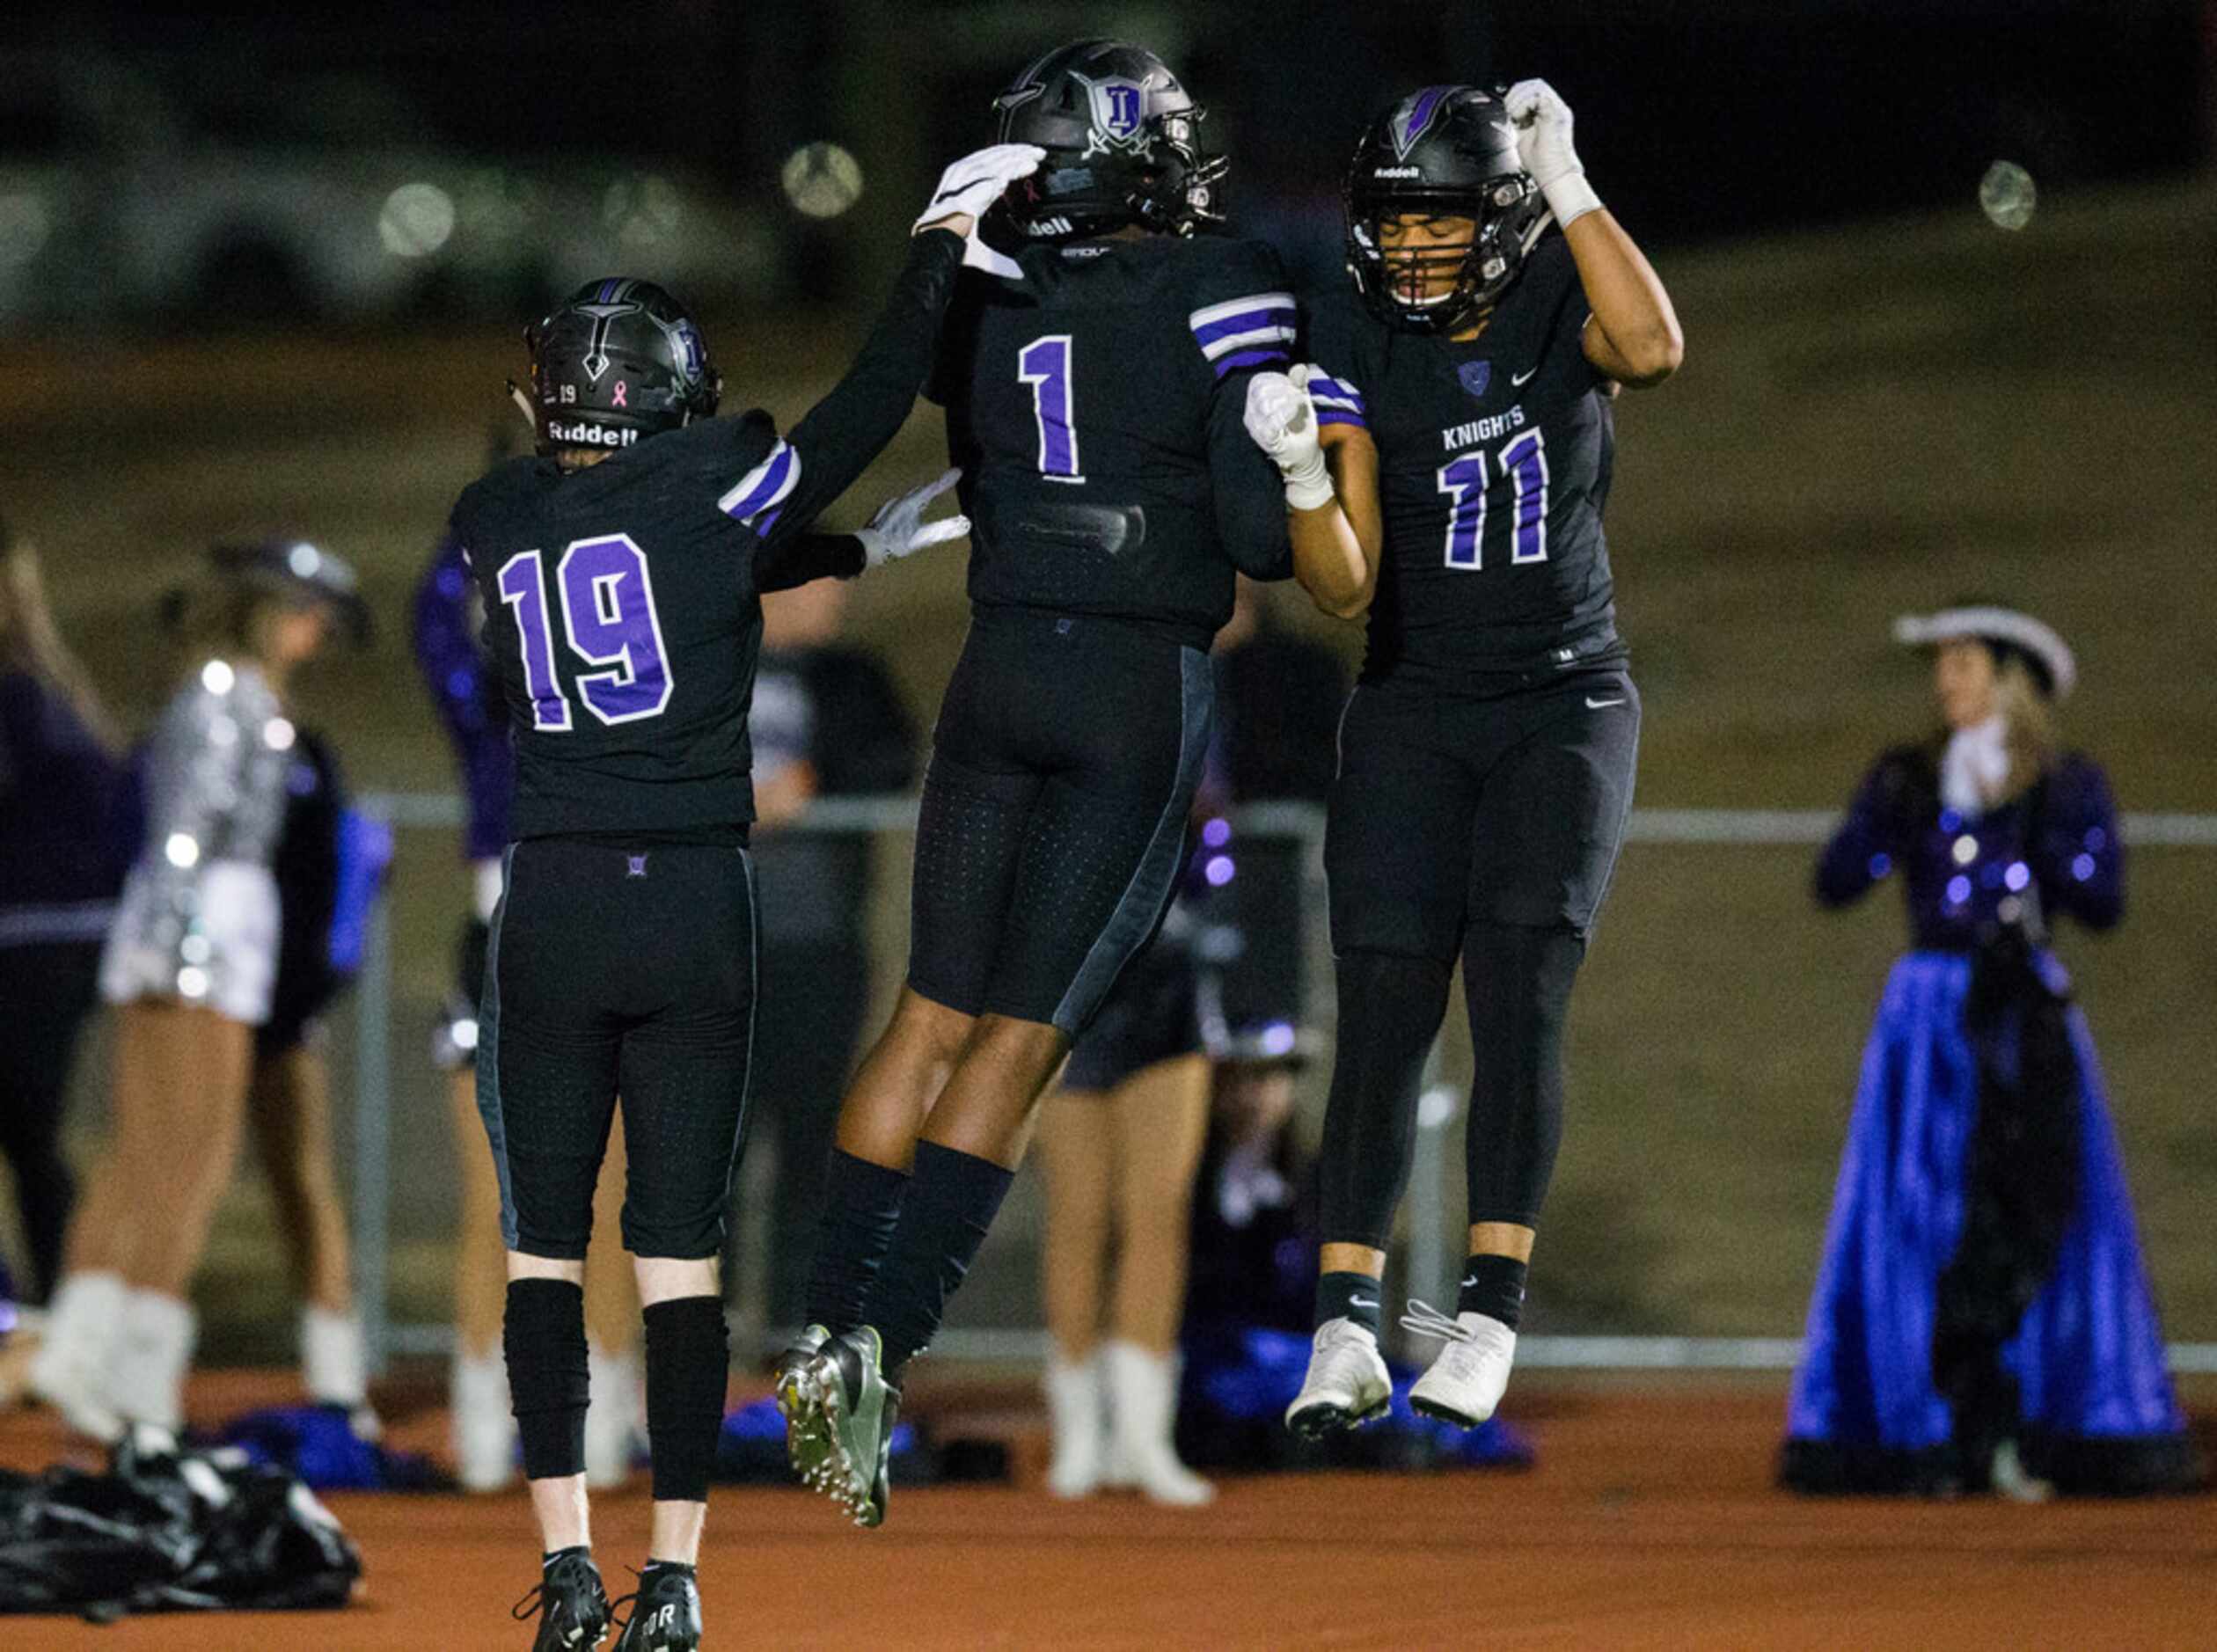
[1347, 1384]
[1466, 1381]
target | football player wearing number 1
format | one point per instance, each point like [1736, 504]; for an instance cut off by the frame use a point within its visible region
[1094, 391]
[620, 570]
[1486, 756]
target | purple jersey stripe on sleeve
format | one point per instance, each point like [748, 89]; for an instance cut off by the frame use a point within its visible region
[1267, 316]
[763, 487]
[1329, 415]
[1250, 358]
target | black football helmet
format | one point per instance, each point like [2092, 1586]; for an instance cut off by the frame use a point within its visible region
[616, 361]
[1446, 151]
[1122, 142]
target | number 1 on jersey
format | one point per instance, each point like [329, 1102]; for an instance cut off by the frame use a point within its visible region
[522, 590]
[1044, 364]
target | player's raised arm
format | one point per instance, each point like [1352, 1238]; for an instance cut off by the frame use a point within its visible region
[839, 437]
[1328, 501]
[1634, 336]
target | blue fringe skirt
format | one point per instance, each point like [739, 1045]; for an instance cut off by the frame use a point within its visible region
[2095, 1403]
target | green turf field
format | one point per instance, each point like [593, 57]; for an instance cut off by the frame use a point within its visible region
[1870, 420]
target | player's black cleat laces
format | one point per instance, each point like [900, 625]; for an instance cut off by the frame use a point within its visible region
[569, 1603]
[665, 1611]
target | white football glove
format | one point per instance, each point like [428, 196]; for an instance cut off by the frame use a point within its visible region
[1543, 123]
[975, 182]
[898, 529]
[1282, 421]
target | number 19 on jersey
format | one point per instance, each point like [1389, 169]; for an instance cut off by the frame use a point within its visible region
[608, 620]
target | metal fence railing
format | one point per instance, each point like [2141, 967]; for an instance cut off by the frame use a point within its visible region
[373, 1112]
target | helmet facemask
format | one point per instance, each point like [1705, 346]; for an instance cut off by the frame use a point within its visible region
[1440, 286]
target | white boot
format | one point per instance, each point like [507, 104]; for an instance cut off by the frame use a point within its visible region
[71, 1370]
[146, 1374]
[334, 1367]
[1143, 1409]
[1074, 1411]
[483, 1429]
[612, 1417]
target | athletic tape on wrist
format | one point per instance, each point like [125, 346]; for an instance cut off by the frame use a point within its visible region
[1570, 199]
[1308, 486]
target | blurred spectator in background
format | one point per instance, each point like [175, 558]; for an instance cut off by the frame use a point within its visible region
[192, 964]
[1278, 709]
[330, 864]
[448, 625]
[1119, 1143]
[1122, 1142]
[63, 849]
[1982, 1320]
[826, 722]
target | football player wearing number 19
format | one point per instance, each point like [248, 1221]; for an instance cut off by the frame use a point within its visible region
[621, 570]
[1462, 396]
[1094, 382]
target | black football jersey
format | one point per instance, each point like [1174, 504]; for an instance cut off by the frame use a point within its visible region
[1494, 460]
[622, 600]
[1095, 403]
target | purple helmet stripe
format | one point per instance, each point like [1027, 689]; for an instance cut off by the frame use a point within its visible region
[1422, 108]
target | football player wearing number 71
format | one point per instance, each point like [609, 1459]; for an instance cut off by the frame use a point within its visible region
[620, 570]
[1447, 459]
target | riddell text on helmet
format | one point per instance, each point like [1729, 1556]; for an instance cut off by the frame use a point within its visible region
[592, 436]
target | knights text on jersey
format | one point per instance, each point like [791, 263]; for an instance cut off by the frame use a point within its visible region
[1493, 459]
[1094, 404]
[622, 618]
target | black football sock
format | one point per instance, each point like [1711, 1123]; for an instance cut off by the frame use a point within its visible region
[951, 1200]
[1349, 1297]
[1494, 1287]
[861, 1203]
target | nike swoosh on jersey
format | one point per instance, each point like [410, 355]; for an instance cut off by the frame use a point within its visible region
[1518, 378]
[1593, 705]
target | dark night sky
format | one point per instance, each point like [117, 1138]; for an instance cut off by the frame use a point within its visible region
[1704, 117]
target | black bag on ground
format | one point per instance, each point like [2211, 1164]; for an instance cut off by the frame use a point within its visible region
[192, 1531]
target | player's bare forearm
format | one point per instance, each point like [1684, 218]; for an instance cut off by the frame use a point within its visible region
[1328, 562]
[1338, 545]
[1634, 336]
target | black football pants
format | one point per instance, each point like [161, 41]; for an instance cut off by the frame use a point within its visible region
[618, 969]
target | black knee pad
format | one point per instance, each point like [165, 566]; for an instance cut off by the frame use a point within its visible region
[543, 1334]
[688, 1362]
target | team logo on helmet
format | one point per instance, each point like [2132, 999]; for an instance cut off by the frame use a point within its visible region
[1414, 118]
[1119, 110]
[693, 351]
